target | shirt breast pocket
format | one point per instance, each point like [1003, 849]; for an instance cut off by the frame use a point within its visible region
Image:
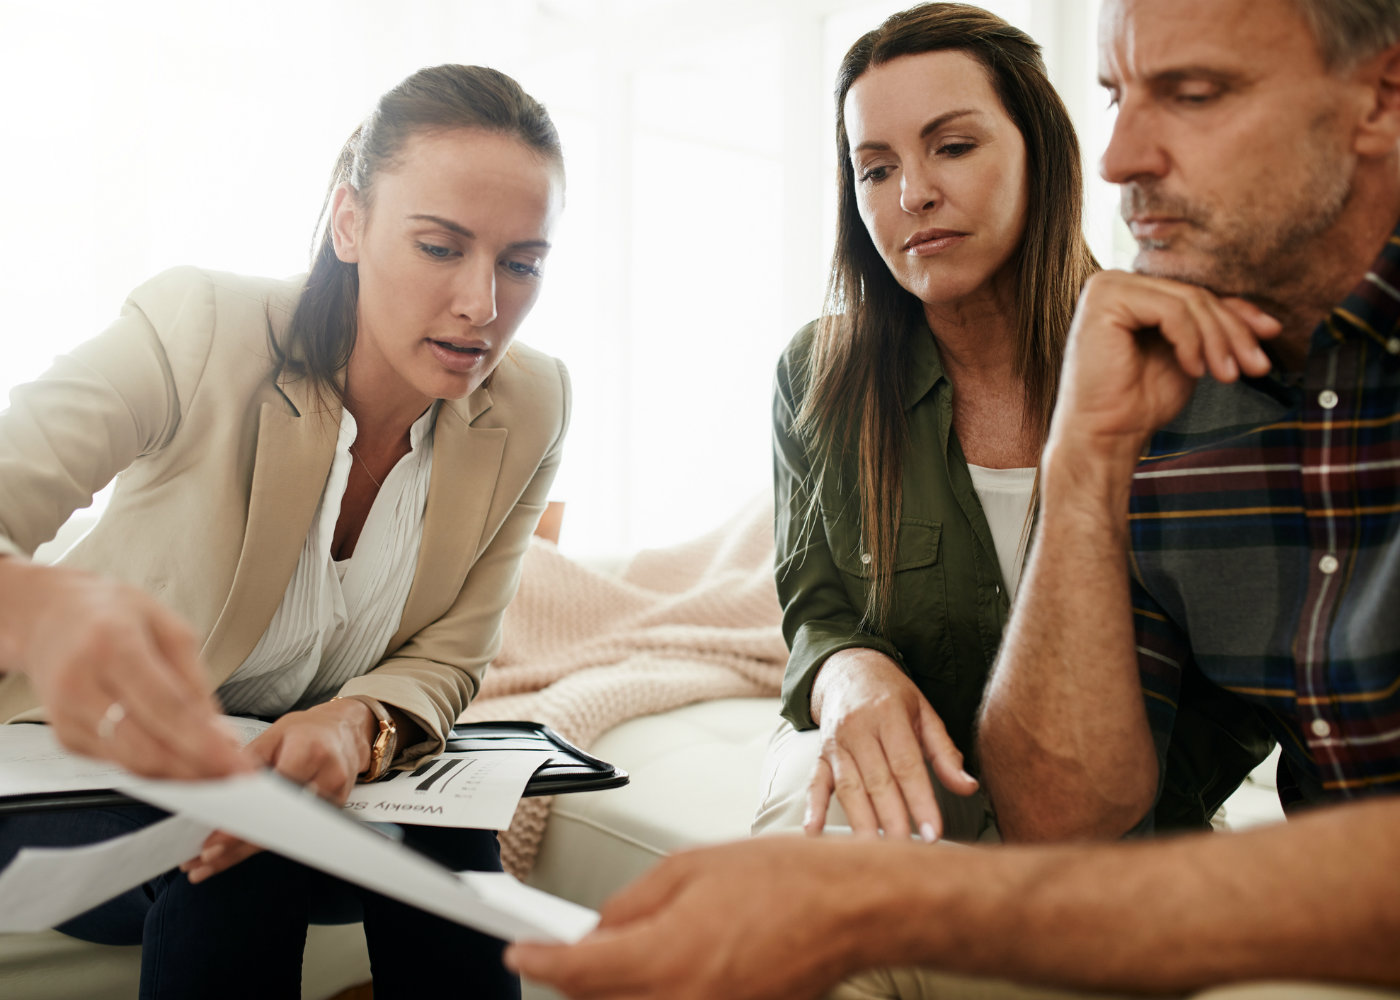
[918, 619]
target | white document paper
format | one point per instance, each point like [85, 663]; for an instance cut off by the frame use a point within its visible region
[476, 790]
[44, 886]
[32, 760]
[274, 814]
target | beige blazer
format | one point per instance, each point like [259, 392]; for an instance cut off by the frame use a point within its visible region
[220, 460]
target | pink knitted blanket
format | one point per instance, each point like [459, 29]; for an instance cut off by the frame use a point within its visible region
[584, 650]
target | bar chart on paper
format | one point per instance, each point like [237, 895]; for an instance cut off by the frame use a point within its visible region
[471, 789]
[441, 773]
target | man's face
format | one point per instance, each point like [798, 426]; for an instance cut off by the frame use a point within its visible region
[1232, 144]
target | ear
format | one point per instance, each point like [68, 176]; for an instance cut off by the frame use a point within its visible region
[347, 223]
[1378, 132]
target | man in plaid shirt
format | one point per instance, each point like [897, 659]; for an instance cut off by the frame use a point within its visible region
[1217, 566]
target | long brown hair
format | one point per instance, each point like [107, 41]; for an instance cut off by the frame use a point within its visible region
[854, 398]
[322, 330]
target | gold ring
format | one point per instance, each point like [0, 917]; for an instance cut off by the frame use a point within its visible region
[107, 725]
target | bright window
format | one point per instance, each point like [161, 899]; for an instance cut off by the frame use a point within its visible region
[698, 140]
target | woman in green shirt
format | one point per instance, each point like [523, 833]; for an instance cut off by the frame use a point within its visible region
[909, 419]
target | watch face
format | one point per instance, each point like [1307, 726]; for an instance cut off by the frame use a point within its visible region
[381, 753]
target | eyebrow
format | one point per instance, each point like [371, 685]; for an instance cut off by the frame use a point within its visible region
[1181, 74]
[933, 125]
[465, 233]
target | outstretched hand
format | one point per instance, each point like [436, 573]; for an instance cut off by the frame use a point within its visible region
[878, 731]
[764, 919]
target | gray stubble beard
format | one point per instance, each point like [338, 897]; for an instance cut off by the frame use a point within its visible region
[1250, 257]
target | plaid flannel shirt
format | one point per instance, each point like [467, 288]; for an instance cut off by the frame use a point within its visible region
[1265, 527]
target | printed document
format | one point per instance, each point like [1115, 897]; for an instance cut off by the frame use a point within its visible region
[42, 887]
[476, 788]
[266, 810]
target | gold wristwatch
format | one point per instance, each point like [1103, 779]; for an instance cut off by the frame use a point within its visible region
[386, 744]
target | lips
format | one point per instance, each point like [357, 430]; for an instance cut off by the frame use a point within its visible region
[459, 355]
[928, 241]
[1149, 210]
[463, 346]
[1146, 227]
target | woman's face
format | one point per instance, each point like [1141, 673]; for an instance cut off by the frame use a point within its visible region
[940, 174]
[450, 252]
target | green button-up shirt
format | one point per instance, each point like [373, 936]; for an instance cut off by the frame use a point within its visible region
[950, 603]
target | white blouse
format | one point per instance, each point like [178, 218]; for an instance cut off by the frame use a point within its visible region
[337, 616]
[1006, 501]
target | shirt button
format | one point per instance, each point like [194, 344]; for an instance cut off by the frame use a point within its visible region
[1320, 728]
[1393, 345]
[865, 558]
[1328, 564]
[1327, 399]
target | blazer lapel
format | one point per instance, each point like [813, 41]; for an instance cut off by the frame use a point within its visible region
[296, 444]
[466, 465]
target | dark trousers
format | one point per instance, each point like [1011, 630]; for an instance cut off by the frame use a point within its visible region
[242, 932]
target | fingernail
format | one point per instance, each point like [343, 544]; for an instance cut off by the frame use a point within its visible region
[926, 831]
[1231, 370]
[970, 778]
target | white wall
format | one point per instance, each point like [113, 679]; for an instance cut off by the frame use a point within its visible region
[140, 135]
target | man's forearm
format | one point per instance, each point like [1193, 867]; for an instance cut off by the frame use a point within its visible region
[1064, 742]
[1315, 899]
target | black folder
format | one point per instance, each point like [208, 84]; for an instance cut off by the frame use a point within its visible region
[570, 769]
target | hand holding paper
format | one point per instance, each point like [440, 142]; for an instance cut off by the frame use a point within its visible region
[264, 809]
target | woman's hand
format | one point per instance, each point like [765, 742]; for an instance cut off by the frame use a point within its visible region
[877, 732]
[323, 748]
[117, 673]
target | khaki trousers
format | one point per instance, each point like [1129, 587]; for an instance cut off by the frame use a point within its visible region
[921, 984]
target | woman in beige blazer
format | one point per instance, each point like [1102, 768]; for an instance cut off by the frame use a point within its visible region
[252, 427]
